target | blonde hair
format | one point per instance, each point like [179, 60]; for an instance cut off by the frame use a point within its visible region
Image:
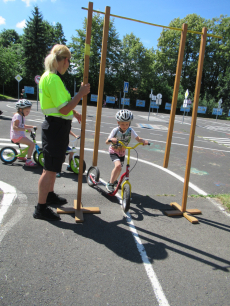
[58, 53]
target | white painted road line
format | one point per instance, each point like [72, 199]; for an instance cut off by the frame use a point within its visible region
[159, 293]
[9, 196]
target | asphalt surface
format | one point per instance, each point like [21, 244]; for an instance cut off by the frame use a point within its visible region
[142, 258]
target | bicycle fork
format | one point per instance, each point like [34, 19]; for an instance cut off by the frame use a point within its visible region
[126, 174]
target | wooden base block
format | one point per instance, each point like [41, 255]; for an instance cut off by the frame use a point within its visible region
[79, 218]
[91, 210]
[194, 211]
[65, 210]
[176, 205]
[172, 213]
[190, 218]
[78, 212]
[187, 214]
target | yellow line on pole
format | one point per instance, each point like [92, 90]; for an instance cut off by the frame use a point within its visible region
[156, 25]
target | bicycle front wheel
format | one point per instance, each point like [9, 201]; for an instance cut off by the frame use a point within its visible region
[8, 155]
[93, 173]
[126, 198]
[41, 159]
[77, 162]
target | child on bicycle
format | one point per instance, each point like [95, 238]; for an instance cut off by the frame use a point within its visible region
[18, 128]
[117, 154]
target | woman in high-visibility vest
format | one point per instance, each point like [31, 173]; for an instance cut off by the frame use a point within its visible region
[58, 108]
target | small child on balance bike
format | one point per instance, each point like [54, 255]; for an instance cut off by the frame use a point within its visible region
[122, 133]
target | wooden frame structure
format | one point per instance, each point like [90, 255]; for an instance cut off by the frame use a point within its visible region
[78, 210]
[180, 210]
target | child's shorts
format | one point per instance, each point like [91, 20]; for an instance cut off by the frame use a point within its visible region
[17, 140]
[115, 157]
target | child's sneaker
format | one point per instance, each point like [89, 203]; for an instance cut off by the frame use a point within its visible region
[58, 174]
[115, 185]
[68, 168]
[30, 164]
[110, 187]
[22, 158]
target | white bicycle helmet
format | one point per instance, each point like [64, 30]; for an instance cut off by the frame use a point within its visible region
[23, 103]
[124, 115]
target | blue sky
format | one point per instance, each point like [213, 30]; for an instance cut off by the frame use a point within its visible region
[14, 13]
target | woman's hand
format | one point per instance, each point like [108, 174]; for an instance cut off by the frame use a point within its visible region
[84, 89]
[77, 116]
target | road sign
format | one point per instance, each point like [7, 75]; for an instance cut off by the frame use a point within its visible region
[29, 89]
[18, 78]
[126, 87]
[159, 96]
[186, 94]
[37, 79]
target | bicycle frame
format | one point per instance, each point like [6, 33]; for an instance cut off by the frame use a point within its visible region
[126, 173]
[23, 152]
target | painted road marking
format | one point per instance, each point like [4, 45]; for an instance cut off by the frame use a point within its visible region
[159, 293]
[221, 141]
[9, 196]
[151, 126]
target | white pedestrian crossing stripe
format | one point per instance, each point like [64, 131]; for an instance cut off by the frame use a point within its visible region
[217, 128]
[152, 126]
[219, 140]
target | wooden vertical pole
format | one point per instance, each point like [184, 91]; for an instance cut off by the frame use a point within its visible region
[78, 210]
[101, 84]
[194, 116]
[175, 93]
[84, 104]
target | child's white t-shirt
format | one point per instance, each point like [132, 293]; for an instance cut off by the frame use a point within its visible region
[124, 137]
[16, 134]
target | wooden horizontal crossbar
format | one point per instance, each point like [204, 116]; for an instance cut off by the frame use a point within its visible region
[156, 25]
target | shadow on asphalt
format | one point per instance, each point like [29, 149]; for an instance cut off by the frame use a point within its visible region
[141, 206]
[115, 236]
[5, 118]
[215, 224]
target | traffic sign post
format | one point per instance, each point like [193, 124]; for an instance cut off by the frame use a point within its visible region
[18, 78]
[151, 98]
[185, 103]
[159, 100]
[37, 79]
[125, 90]
[219, 108]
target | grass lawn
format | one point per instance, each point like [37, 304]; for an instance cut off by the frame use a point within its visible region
[224, 198]
[4, 97]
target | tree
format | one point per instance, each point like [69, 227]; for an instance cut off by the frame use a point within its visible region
[34, 45]
[77, 47]
[8, 37]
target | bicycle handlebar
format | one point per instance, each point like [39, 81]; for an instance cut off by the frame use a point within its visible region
[121, 144]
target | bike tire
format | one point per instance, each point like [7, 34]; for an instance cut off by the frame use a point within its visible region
[8, 155]
[126, 198]
[77, 162]
[35, 157]
[95, 172]
[41, 159]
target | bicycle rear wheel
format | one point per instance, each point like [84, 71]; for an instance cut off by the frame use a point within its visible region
[41, 159]
[35, 157]
[93, 173]
[8, 155]
[77, 162]
[126, 198]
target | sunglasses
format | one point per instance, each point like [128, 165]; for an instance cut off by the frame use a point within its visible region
[69, 60]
